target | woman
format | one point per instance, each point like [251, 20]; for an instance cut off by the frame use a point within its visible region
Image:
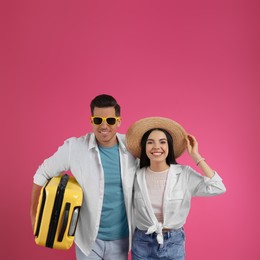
[163, 189]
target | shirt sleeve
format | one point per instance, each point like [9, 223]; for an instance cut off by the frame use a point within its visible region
[199, 185]
[54, 165]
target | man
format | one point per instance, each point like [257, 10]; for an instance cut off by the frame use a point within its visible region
[105, 170]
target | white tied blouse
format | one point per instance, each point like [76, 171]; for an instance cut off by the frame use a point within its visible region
[182, 184]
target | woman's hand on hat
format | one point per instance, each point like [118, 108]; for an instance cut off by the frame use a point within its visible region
[193, 147]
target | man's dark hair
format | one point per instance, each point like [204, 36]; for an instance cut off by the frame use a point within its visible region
[104, 101]
[144, 160]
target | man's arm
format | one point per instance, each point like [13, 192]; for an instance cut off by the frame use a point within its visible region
[36, 190]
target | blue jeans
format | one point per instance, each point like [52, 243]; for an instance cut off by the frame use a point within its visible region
[147, 247]
[106, 250]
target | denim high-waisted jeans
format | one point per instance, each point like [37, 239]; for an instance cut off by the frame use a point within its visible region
[146, 246]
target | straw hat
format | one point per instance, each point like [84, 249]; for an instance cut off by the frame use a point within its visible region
[136, 131]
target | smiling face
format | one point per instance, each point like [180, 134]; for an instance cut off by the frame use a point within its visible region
[157, 148]
[105, 133]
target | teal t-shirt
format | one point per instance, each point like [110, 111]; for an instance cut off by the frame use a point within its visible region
[113, 223]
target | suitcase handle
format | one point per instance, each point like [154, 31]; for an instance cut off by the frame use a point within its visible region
[64, 222]
[74, 221]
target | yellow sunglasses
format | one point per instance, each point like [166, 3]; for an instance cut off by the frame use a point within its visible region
[97, 120]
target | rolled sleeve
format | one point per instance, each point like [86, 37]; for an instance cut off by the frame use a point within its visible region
[205, 186]
[215, 178]
[54, 165]
[39, 178]
[214, 185]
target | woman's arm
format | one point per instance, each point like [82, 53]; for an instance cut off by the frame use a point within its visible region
[192, 147]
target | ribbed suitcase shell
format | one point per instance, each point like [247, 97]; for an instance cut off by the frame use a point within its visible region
[57, 212]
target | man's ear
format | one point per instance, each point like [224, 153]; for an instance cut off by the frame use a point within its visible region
[119, 122]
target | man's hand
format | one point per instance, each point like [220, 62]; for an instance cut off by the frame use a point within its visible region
[36, 190]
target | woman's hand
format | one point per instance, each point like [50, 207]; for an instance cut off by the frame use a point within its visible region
[193, 150]
[193, 147]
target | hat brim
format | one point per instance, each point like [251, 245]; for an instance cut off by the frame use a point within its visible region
[136, 131]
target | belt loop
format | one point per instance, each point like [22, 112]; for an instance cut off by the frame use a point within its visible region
[167, 234]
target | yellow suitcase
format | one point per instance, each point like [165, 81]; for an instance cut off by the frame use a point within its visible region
[58, 212]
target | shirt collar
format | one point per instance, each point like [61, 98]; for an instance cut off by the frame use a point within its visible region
[93, 142]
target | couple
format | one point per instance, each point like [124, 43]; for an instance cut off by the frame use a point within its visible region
[130, 182]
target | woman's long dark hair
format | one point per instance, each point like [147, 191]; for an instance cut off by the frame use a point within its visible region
[144, 160]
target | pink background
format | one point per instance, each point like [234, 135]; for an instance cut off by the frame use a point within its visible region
[194, 61]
